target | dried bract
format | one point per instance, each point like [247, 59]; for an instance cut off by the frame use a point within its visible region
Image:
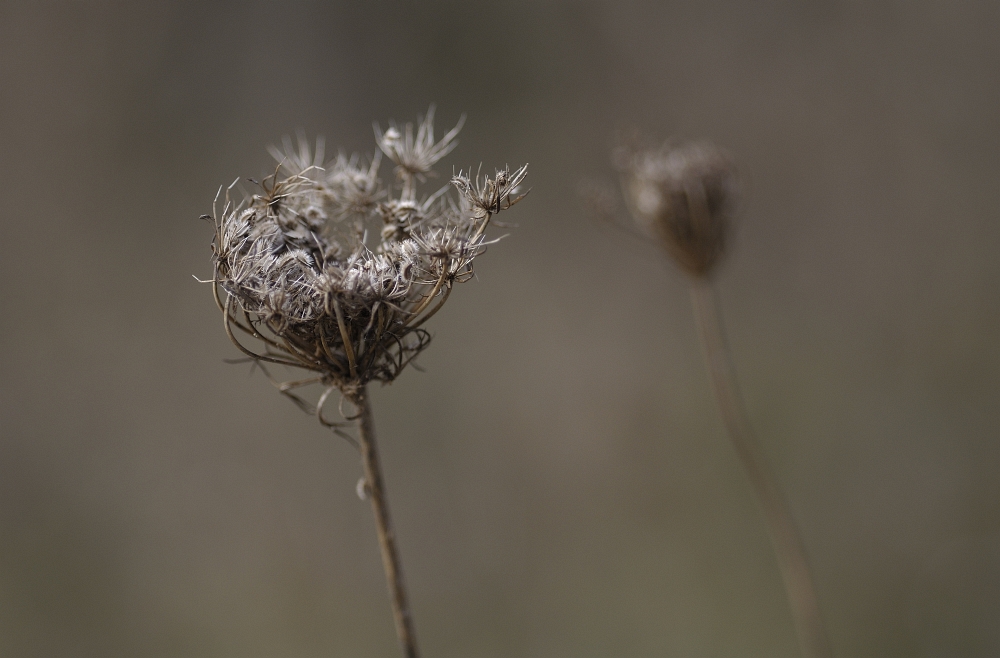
[294, 273]
[682, 196]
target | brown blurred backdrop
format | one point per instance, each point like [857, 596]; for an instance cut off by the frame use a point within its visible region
[560, 479]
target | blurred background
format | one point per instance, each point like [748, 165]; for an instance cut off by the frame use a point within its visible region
[560, 479]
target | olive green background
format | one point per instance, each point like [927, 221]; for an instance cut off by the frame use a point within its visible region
[561, 482]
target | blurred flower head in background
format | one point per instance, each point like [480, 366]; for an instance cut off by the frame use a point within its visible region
[682, 196]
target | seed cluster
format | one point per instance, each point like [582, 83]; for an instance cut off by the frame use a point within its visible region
[295, 269]
[682, 197]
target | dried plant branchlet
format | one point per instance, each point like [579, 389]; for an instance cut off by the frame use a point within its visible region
[682, 196]
[328, 269]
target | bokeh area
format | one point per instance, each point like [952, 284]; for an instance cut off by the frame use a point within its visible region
[560, 479]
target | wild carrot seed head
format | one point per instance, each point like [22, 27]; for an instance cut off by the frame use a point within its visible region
[297, 274]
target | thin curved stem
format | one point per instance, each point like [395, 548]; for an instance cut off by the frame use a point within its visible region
[482, 228]
[434, 291]
[326, 346]
[386, 538]
[256, 334]
[258, 357]
[409, 192]
[430, 313]
[785, 537]
[346, 338]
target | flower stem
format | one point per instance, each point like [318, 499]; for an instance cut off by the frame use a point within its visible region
[383, 525]
[784, 534]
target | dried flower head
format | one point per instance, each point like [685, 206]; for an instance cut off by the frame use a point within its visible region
[295, 269]
[415, 156]
[682, 196]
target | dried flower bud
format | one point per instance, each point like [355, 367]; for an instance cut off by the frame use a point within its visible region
[682, 197]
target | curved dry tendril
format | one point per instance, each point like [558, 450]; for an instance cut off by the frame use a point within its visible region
[285, 388]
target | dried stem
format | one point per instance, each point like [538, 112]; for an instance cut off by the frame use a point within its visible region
[386, 538]
[784, 534]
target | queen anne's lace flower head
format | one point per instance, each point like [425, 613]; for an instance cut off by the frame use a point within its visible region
[298, 268]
